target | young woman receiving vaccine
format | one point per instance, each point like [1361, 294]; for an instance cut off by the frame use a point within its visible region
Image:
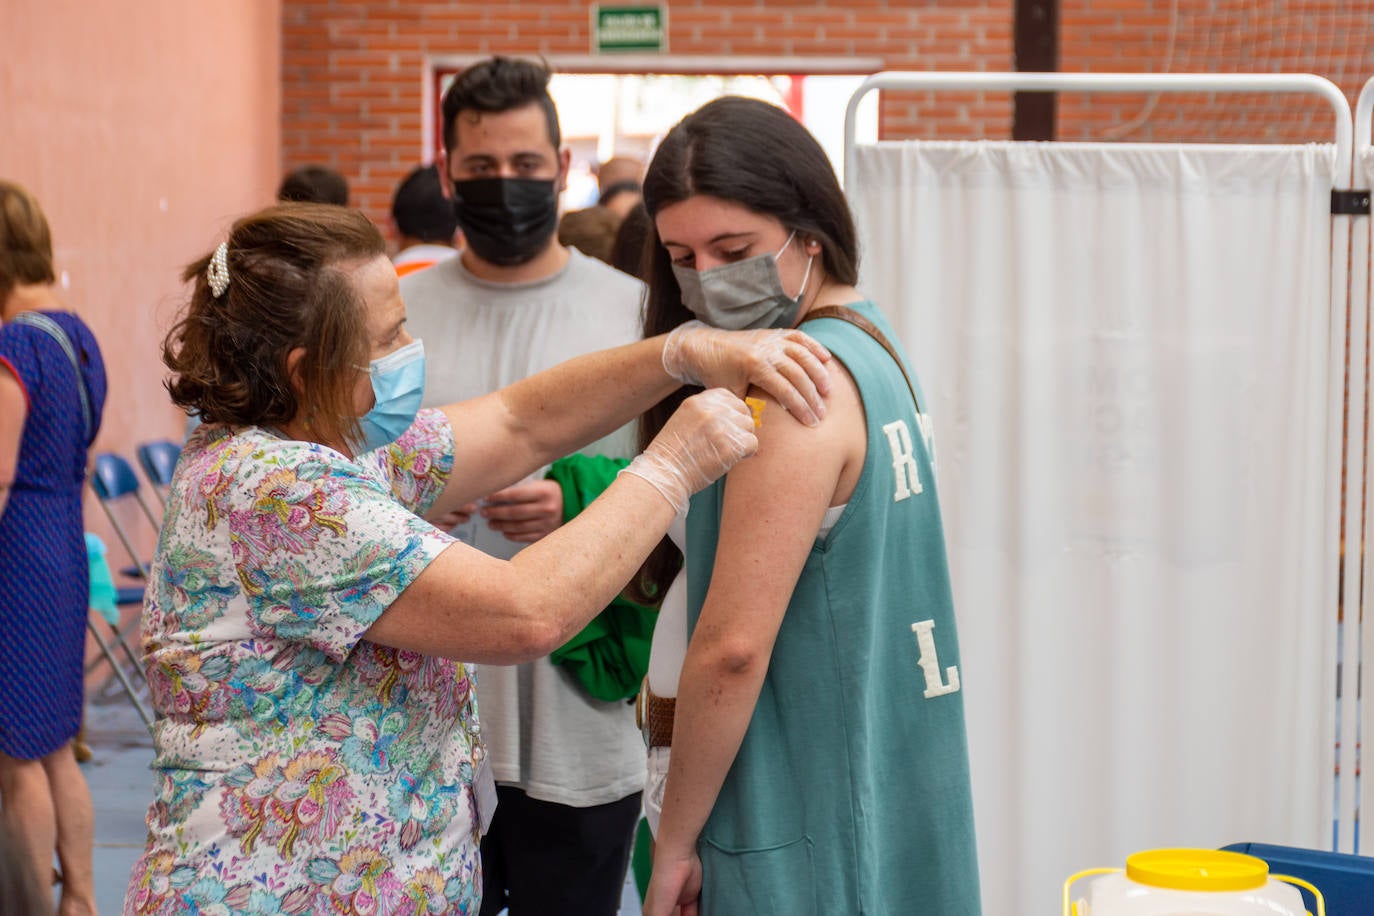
[804, 705]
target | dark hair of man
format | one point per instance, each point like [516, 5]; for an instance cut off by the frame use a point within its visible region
[751, 153]
[421, 210]
[314, 184]
[25, 240]
[288, 288]
[496, 85]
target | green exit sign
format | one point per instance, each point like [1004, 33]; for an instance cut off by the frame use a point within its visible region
[629, 28]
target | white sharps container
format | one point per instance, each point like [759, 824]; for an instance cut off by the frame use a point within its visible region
[1190, 882]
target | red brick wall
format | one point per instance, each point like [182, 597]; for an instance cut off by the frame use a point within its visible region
[353, 72]
[1326, 37]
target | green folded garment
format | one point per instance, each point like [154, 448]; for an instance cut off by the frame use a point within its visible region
[611, 655]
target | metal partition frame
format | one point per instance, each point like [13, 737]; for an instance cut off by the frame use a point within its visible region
[1360, 721]
[1346, 403]
[1289, 83]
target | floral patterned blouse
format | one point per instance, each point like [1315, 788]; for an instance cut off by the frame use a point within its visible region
[300, 768]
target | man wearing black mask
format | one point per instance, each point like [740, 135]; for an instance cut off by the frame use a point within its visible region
[569, 768]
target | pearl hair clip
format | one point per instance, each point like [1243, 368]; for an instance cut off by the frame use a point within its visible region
[218, 271]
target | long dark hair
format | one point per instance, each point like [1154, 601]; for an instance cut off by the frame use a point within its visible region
[757, 155]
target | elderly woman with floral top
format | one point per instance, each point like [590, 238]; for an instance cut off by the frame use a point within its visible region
[317, 741]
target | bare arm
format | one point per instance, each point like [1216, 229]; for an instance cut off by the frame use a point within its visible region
[767, 532]
[13, 413]
[473, 607]
[503, 436]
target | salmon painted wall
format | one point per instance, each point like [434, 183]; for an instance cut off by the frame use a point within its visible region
[143, 128]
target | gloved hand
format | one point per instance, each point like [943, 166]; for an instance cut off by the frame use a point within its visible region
[787, 364]
[705, 437]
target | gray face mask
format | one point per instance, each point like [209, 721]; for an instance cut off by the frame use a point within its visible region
[745, 294]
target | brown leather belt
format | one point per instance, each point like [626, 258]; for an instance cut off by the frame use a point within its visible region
[654, 716]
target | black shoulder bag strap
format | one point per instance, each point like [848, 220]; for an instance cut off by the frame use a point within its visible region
[54, 330]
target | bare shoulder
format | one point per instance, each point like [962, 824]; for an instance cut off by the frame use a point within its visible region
[828, 455]
[773, 507]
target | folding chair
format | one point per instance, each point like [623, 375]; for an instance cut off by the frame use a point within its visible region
[159, 460]
[107, 651]
[115, 483]
[105, 602]
[117, 490]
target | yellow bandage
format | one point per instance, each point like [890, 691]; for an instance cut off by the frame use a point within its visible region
[756, 406]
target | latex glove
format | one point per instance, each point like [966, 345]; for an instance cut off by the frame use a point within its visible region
[787, 364]
[705, 437]
[525, 512]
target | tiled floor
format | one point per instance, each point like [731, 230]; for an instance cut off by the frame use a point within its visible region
[121, 786]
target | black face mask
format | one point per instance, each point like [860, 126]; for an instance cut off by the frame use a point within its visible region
[506, 221]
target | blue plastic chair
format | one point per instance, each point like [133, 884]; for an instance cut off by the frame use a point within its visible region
[117, 489]
[114, 482]
[159, 461]
[106, 601]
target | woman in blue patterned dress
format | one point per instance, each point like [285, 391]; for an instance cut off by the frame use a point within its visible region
[317, 743]
[52, 389]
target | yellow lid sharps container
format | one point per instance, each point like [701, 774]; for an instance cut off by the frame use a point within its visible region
[1170, 882]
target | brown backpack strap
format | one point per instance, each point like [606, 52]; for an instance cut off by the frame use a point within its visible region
[845, 313]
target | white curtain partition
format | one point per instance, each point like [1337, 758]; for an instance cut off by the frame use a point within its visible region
[1126, 353]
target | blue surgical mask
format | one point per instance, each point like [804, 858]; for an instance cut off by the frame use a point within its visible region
[745, 294]
[398, 383]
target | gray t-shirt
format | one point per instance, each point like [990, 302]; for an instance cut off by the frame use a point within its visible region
[544, 734]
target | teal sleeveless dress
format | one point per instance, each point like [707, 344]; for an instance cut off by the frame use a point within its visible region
[850, 793]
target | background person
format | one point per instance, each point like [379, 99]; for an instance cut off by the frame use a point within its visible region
[52, 394]
[424, 221]
[591, 231]
[317, 747]
[23, 895]
[317, 184]
[569, 767]
[818, 756]
[619, 181]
